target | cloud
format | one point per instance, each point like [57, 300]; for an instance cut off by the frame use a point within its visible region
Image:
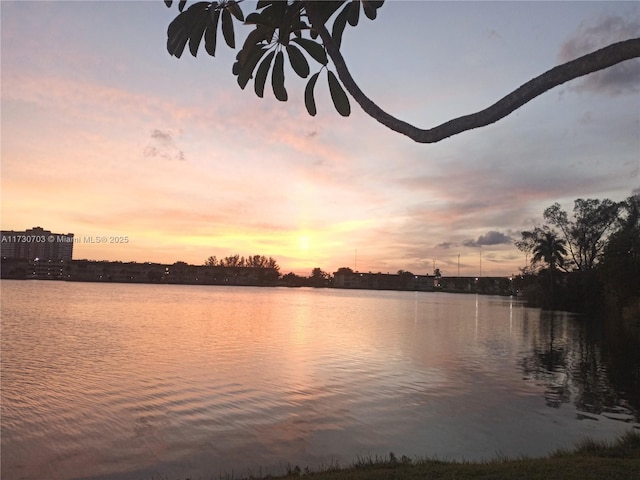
[492, 237]
[619, 79]
[163, 137]
[446, 245]
[163, 145]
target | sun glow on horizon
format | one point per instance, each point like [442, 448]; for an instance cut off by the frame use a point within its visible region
[187, 166]
[303, 243]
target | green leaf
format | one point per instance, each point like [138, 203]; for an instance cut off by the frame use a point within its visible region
[246, 69]
[298, 62]
[340, 99]
[354, 13]
[309, 101]
[298, 26]
[197, 32]
[235, 10]
[261, 74]
[254, 19]
[227, 28]
[210, 35]
[327, 8]
[290, 21]
[255, 38]
[272, 15]
[177, 35]
[338, 25]
[312, 48]
[182, 28]
[369, 10]
[276, 10]
[277, 78]
[188, 26]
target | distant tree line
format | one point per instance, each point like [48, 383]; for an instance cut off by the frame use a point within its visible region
[318, 278]
[254, 261]
[586, 260]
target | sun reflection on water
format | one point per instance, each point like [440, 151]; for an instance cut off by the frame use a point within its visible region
[128, 380]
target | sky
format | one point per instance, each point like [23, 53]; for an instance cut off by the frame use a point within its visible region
[105, 134]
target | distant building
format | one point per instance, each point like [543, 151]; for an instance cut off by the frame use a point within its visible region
[36, 244]
[178, 273]
[35, 253]
[347, 278]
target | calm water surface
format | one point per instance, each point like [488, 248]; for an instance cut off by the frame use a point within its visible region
[136, 381]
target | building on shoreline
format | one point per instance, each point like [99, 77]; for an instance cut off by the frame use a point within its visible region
[185, 274]
[177, 273]
[40, 254]
[346, 278]
[36, 252]
[134, 272]
[37, 243]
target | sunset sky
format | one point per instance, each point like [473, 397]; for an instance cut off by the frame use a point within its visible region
[103, 133]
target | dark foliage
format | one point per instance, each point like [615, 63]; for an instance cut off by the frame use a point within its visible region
[278, 23]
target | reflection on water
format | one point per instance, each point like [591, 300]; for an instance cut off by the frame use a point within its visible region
[131, 381]
[571, 358]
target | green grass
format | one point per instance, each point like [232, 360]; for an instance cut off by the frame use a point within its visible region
[589, 460]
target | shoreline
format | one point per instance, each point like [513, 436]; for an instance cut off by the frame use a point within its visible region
[269, 285]
[588, 460]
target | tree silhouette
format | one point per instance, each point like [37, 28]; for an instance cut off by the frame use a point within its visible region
[549, 249]
[587, 233]
[297, 26]
[621, 256]
[319, 278]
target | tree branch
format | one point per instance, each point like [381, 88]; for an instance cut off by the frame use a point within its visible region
[592, 62]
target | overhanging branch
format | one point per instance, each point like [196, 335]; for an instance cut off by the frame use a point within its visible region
[592, 62]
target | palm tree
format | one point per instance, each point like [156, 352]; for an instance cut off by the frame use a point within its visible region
[549, 249]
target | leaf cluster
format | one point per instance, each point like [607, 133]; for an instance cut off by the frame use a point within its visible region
[282, 33]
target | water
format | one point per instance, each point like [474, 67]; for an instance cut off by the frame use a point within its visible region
[142, 381]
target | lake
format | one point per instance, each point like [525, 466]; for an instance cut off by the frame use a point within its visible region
[152, 381]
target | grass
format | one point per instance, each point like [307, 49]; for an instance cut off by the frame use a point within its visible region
[589, 460]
